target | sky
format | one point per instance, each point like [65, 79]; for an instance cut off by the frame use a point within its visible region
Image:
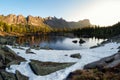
[99, 12]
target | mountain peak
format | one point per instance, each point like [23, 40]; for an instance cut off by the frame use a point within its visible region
[39, 21]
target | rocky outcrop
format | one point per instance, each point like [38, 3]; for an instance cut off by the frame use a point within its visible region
[107, 68]
[74, 41]
[107, 62]
[61, 23]
[19, 76]
[7, 76]
[36, 21]
[10, 19]
[56, 23]
[80, 24]
[20, 19]
[53, 22]
[81, 41]
[7, 58]
[28, 51]
[96, 74]
[45, 68]
[77, 55]
[10, 76]
[13, 19]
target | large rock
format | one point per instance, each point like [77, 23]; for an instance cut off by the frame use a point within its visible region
[1, 77]
[45, 68]
[2, 59]
[13, 19]
[21, 20]
[10, 19]
[107, 62]
[2, 56]
[8, 76]
[36, 21]
[7, 49]
[7, 40]
[20, 76]
[3, 41]
[77, 55]
[9, 57]
[1, 64]
[74, 41]
[96, 74]
[28, 51]
[81, 41]
[14, 62]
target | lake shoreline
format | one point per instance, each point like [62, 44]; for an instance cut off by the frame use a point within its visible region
[106, 68]
[100, 46]
[56, 53]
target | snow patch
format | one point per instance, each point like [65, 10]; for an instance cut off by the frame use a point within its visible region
[88, 56]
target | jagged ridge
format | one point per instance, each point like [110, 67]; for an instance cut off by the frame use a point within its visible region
[53, 22]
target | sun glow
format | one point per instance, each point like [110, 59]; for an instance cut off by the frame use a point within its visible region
[105, 13]
[100, 12]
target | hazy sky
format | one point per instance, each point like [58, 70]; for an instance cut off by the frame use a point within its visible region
[100, 12]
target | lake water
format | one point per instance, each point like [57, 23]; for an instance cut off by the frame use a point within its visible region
[59, 42]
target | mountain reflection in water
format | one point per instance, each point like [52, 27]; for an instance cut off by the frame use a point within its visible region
[59, 42]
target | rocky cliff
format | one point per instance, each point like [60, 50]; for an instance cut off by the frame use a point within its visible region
[13, 19]
[61, 23]
[80, 24]
[38, 21]
[56, 23]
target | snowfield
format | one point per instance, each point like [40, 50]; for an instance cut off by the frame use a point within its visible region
[88, 56]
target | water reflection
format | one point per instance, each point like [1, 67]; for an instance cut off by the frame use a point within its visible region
[59, 42]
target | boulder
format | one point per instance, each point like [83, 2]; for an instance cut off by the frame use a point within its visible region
[20, 76]
[7, 75]
[1, 64]
[10, 76]
[77, 55]
[46, 48]
[21, 48]
[7, 40]
[81, 41]
[1, 77]
[14, 62]
[3, 41]
[7, 49]
[107, 62]
[95, 74]
[98, 45]
[66, 55]
[74, 41]
[28, 51]
[36, 47]
[2, 56]
[45, 68]
[118, 47]
[94, 46]
[119, 50]
[8, 57]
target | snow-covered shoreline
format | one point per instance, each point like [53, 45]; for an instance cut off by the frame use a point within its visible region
[88, 56]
